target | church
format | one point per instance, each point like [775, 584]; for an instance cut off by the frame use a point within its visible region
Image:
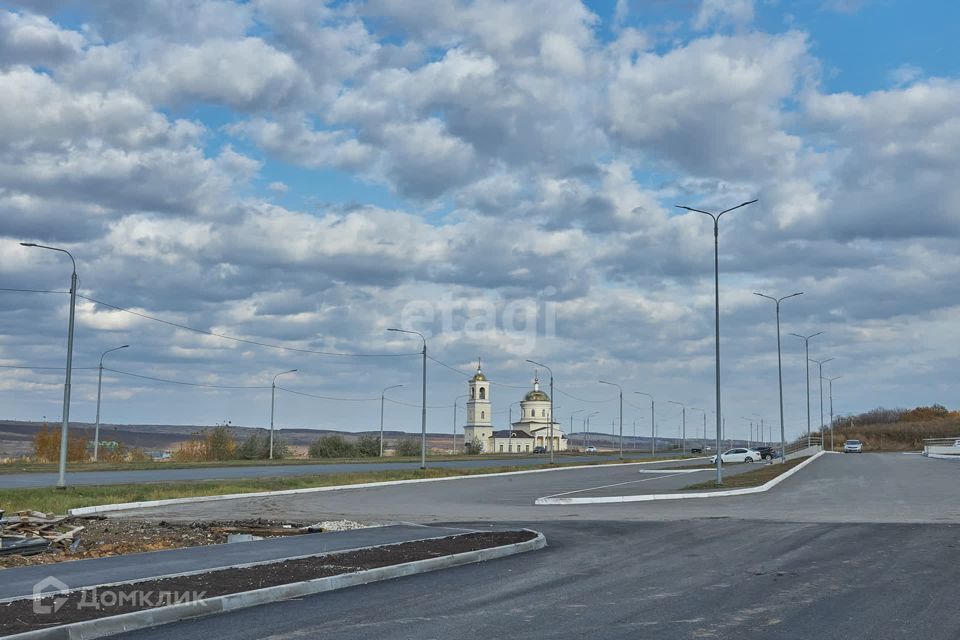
[523, 436]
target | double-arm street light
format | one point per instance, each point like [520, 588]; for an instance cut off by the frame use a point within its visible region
[423, 410]
[586, 428]
[540, 364]
[273, 397]
[614, 384]
[820, 364]
[653, 423]
[683, 428]
[96, 432]
[382, 398]
[830, 381]
[62, 479]
[806, 343]
[716, 310]
[783, 436]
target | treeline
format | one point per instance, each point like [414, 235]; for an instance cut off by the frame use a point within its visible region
[218, 444]
[337, 446]
[46, 448]
[884, 429]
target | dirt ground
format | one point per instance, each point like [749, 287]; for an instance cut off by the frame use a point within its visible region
[19, 616]
[102, 537]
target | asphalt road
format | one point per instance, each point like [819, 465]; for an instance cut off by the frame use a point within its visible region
[41, 479]
[859, 547]
[665, 580]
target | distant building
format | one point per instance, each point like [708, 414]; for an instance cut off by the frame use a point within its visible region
[530, 431]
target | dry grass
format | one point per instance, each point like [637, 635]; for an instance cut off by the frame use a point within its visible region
[761, 475]
[895, 436]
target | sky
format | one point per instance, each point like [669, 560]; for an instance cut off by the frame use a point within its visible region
[253, 187]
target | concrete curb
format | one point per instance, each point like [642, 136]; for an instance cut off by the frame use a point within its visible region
[680, 496]
[943, 456]
[162, 615]
[126, 506]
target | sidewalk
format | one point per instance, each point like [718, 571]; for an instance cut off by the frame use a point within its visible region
[19, 582]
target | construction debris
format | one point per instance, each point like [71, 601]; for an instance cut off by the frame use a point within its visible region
[30, 532]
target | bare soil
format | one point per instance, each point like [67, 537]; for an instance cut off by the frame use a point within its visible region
[19, 616]
[102, 538]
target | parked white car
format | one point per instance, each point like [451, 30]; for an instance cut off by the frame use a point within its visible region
[738, 455]
[853, 446]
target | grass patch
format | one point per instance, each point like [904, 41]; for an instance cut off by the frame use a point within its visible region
[761, 475]
[62, 500]
[51, 467]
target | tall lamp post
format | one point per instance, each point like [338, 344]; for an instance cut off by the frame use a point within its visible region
[716, 306]
[540, 364]
[820, 364]
[757, 415]
[830, 381]
[455, 401]
[683, 423]
[653, 424]
[750, 420]
[62, 479]
[783, 436]
[273, 396]
[96, 432]
[586, 428]
[806, 343]
[614, 384]
[382, 398]
[571, 419]
[423, 410]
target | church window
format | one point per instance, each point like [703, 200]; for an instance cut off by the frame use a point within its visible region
[483, 393]
[483, 414]
[543, 413]
[472, 391]
[533, 412]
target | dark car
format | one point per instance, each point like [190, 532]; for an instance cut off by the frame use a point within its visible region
[539, 449]
[696, 450]
[767, 453]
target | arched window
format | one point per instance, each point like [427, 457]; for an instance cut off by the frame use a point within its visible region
[472, 391]
[483, 414]
[533, 412]
[483, 393]
[543, 413]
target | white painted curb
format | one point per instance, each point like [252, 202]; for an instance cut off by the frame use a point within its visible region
[147, 618]
[126, 506]
[943, 456]
[680, 496]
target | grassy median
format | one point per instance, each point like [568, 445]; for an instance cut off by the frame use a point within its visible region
[60, 501]
[761, 475]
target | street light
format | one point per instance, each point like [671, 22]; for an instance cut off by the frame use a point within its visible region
[455, 400]
[653, 424]
[273, 397]
[683, 432]
[540, 364]
[62, 479]
[571, 420]
[382, 397]
[757, 415]
[820, 364]
[423, 410]
[614, 384]
[783, 436]
[750, 420]
[806, 342]
[96, 432]
[716, 310]
[704, 444]
[586, 428]
[830, 380]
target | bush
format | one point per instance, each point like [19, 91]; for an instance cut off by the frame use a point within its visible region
[46, 445]
[368, 446]
[218, 444]
[408, 447]
[474, 447]
[332, 446]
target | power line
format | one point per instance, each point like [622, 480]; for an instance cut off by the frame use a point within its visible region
[470, 375]
[417, 406]
[186, 384]
[245, 340]
[13, 366]
[32, 290]
[581, 399]
[312, 395]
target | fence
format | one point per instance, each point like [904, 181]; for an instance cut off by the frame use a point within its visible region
[941, 446]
